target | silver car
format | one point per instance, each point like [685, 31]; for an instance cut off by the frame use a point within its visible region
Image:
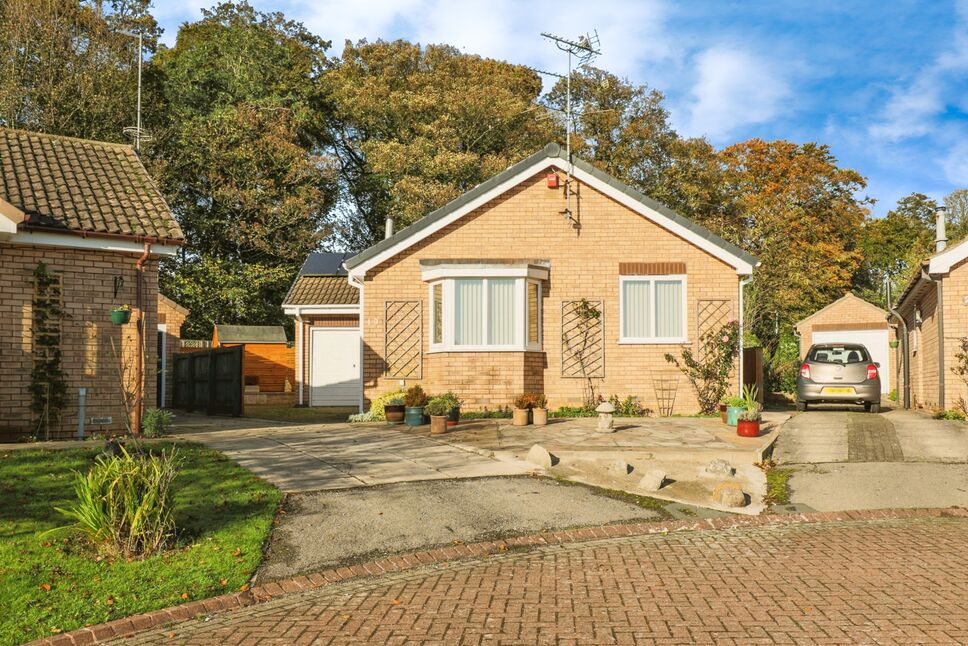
[839, 373]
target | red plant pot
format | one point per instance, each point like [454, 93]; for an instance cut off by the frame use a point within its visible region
[746, 428]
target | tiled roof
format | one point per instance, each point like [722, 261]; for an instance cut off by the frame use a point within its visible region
[251, 334]
[81, 185]
[322, 290]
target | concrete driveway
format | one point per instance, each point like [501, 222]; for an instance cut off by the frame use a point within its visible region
[847, 459]
[340, 456]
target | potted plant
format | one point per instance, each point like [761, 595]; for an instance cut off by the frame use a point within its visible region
[734, 407]
[121, 314]
[522, 407]
[748, 424]
[539, 413]
[414, 400]
[438, 408]
[395, 410]
[453, 413]
[722, 410]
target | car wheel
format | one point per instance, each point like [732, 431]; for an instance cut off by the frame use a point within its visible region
[801, 406]
[874, 408]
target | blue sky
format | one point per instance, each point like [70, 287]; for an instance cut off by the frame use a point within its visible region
[885, 84]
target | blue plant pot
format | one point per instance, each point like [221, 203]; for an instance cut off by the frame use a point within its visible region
[414, 416]
[733, 413]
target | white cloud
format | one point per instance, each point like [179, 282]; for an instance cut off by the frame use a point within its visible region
[955, 164]
[734, 88]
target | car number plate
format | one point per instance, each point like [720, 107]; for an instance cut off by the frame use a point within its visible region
[831, 390]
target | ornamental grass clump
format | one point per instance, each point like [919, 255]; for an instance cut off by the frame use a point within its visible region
[124, 503]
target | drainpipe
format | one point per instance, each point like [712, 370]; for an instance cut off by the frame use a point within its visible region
[904, 354]
[299, 355]
[139, 369]
[742, 283]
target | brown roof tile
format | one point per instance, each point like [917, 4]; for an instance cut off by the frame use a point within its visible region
[322, 290]
[81, 185]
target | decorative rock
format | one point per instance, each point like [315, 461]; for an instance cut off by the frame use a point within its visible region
[719, 467]
[729, 494]
[619, 467]
[652, 480]
[539, 455]
[605, 412]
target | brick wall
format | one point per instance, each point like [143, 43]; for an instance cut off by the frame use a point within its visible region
[319, 320]
[525, 223]
[88, 360]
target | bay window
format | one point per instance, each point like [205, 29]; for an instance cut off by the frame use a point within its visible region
[495, 310]
[652, 309]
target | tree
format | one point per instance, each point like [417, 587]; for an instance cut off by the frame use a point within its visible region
[893, 246]
[416, 127]
[797, 211]
[241, 156]
[66, 68]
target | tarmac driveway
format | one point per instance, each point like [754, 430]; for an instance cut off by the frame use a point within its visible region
[340, 456]
[855, 460]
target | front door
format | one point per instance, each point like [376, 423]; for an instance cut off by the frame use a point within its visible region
[334, 368]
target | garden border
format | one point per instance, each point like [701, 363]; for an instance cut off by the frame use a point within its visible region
[128, 626]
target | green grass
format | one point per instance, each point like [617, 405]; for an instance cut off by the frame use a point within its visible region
[305, 415]
[223, 514]
[645, 502]
[778, 486]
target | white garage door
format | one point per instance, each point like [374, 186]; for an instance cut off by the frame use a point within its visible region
[874, 340]
[334, 368]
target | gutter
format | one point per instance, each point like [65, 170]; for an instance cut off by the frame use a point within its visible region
[939, 308]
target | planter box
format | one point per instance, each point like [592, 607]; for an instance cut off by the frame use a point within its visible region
[414, 416]
[733, 413]
[120, 317]
[394, 413]
[438, 424]
[747, 429]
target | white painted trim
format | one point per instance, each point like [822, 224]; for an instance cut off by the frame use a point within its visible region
[742, 267]
[653, 340]
[482, 270]
[944, 261]
[301, 310]
[325, 328]
[48, 239]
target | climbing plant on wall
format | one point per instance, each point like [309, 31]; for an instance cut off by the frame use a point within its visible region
[48, 385]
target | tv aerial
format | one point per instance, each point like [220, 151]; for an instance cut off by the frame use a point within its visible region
[582, 51]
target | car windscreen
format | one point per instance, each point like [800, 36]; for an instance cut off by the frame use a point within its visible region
[843, 354]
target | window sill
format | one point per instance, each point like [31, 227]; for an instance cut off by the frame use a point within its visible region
[480, 348]
[654, 342]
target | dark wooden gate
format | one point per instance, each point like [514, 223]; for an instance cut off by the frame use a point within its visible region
[209, 382]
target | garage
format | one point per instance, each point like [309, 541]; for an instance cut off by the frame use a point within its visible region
[851, 319]
[334, 370]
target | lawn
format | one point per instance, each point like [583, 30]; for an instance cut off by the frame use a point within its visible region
[304, 414]
[55, 583]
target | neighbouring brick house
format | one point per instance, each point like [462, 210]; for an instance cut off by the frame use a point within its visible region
[851, 319]
[485, 295]
[88, 212]
[171, 317]
[268, 370]
[326, 310]
[935, 310]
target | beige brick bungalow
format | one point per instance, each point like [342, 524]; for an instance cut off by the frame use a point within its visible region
[482, 296]
[82, 228]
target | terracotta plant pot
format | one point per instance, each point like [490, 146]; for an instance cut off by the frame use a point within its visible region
[453, 417]
[438, 424]
[414, 416]
[540, 416]
[394, 413]
[722, 413]
[746, 428]
[520, 417]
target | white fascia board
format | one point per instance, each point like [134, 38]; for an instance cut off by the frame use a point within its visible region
[944, 261]
[302, 310]
[48, 239]
[482, 270]
[742, 267]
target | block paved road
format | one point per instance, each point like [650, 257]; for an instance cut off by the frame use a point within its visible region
[898, 581]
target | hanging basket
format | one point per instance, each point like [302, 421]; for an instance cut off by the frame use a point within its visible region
[120, 317]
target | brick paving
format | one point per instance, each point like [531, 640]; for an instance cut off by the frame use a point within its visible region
[872, 438]
[896, 580]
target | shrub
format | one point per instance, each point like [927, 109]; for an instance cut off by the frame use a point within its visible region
[156, 422]
[499, 413]
[540, 401]
[951, 413]
[709, 371]
[735, 402]
[368, 416]
[377, 405]
[629, 407]
[415, 397]
[524, 401]
[438, 406]
[124, 502]
[573, 411]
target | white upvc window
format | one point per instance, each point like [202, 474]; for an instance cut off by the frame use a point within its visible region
[652, 309]
[471, 314]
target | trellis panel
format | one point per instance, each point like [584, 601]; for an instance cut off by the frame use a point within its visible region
[712, 315]
[573, 346]
[403, 340]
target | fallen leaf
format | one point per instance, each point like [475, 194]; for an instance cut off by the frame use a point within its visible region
[395, 602]
[244, 588]
[224, 582]
[184, 595]
[45, 587]
[237, 552]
